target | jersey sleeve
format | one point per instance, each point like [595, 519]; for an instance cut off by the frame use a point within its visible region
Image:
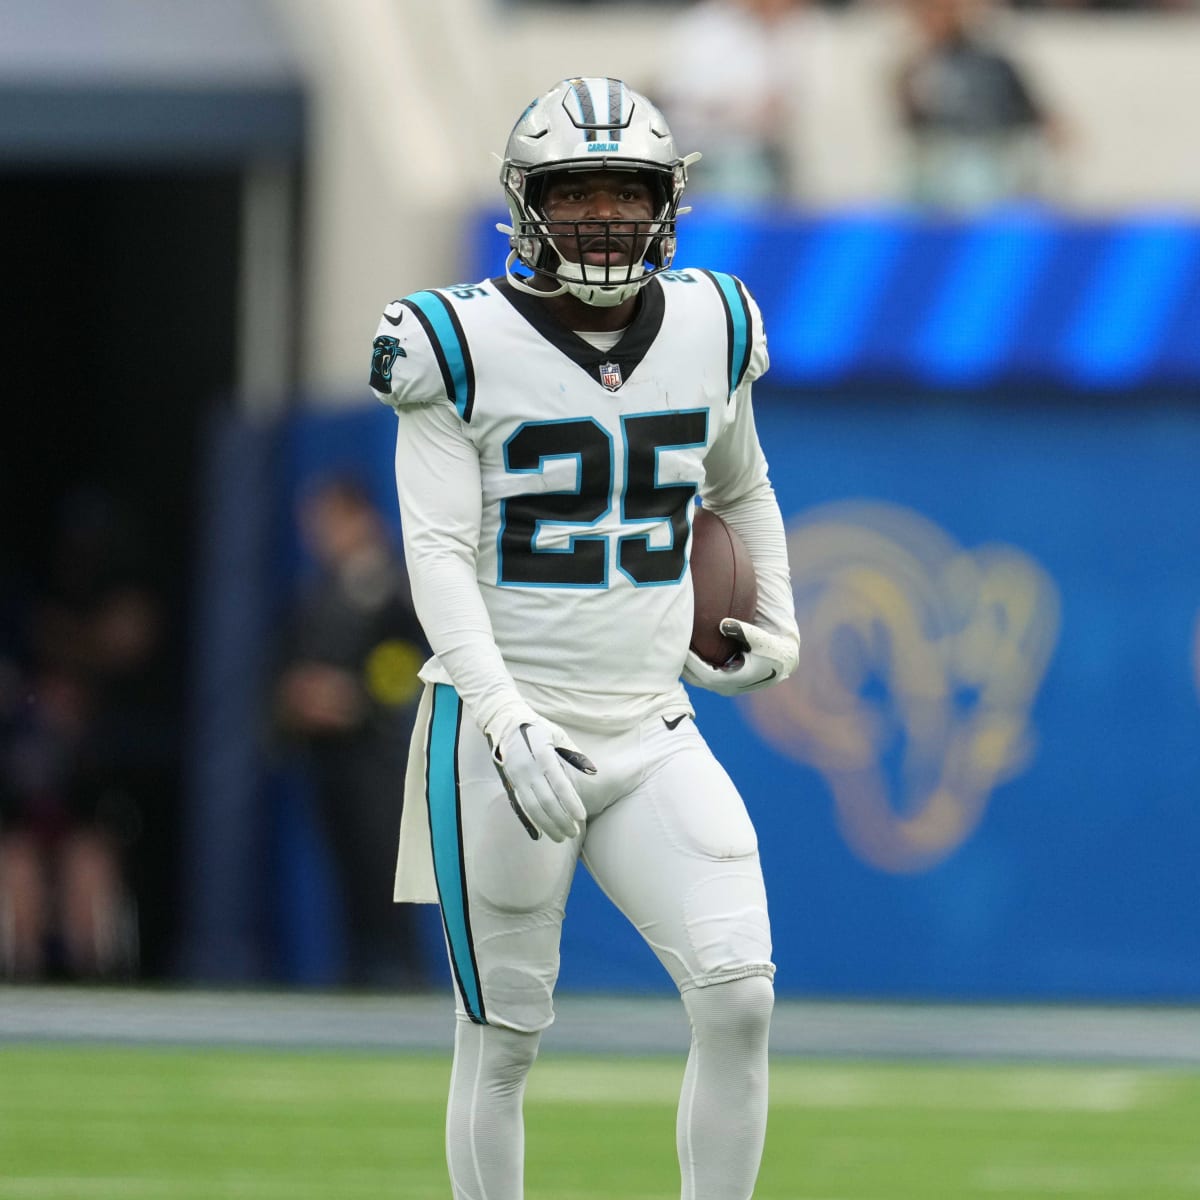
[439, 488]
[745, 336]
[760, 360]
[737, 484]
[420, 355]
[735, 466]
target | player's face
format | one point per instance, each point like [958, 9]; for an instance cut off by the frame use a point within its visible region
[593, 215]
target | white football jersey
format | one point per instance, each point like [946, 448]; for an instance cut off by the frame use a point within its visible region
[569, 476]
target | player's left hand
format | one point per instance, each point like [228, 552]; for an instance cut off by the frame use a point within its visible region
[765, 658]
[529, 760]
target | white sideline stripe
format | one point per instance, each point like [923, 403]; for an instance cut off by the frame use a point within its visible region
[1022, 1091]
[759, 1195]
[1123, 1179]
[110, 1186]
[554, 1080]
[235, 1186]
[1034, 1090]
[561, 1195]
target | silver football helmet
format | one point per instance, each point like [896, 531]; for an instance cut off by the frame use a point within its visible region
[585, 125]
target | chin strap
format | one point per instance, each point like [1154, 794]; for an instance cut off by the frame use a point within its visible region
[603, 296]
[520, 283]
[596, 294]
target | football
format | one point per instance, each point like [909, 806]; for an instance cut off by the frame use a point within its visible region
[723, 585]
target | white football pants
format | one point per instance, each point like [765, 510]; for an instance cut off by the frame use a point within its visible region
[669, 841]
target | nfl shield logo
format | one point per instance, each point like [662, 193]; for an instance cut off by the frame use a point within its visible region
[610, 375]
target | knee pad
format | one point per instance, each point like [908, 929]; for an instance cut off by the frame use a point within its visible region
[739, 1009]
[499, 1057]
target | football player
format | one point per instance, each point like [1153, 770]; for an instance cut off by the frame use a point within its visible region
[556, 426]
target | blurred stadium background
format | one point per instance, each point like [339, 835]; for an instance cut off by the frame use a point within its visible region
[982, 789]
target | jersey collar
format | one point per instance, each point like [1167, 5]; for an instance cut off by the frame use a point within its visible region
[627, 353]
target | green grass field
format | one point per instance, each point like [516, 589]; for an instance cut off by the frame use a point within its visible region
[110, 1123]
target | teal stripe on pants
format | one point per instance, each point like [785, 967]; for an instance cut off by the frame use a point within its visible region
[446, 833]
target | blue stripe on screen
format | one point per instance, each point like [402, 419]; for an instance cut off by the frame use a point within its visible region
[713, 237]
[969, 326]
[1181, 347]
[1115, 336]
[823, 321]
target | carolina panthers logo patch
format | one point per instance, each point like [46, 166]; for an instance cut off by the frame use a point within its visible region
[385, 351]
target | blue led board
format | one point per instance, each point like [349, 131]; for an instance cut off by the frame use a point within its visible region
[1018, 296]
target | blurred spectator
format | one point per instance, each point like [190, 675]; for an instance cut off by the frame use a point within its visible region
[1065, 5]
[77, 737]
[977, 133]
[1108, 5]
[347, 696]
[737, 72]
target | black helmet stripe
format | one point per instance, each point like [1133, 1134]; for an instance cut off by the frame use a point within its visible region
[587, 110]
[615, 89]
[589, 120]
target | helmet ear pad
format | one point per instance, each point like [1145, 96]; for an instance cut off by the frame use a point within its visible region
[547, 257]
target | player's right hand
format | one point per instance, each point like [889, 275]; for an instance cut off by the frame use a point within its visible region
[764, 659]
[530, 759]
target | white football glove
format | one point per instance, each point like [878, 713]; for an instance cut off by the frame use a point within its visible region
[529, 753]
[765, 658]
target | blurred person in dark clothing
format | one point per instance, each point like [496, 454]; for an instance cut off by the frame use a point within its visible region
[81, 744]
[348, 695]
[61, 908]
[978, 134]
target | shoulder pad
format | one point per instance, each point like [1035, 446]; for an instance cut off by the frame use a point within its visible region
[746, 338]
[420, 354]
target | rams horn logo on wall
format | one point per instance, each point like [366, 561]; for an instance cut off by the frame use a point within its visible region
[610, 375]
[919, 665]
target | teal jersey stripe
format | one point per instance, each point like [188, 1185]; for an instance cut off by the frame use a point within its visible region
[739, 327]
[446, 835]
[449, 345]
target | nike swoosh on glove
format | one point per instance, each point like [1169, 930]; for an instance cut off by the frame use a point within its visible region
[529, 758]
[765, 658]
